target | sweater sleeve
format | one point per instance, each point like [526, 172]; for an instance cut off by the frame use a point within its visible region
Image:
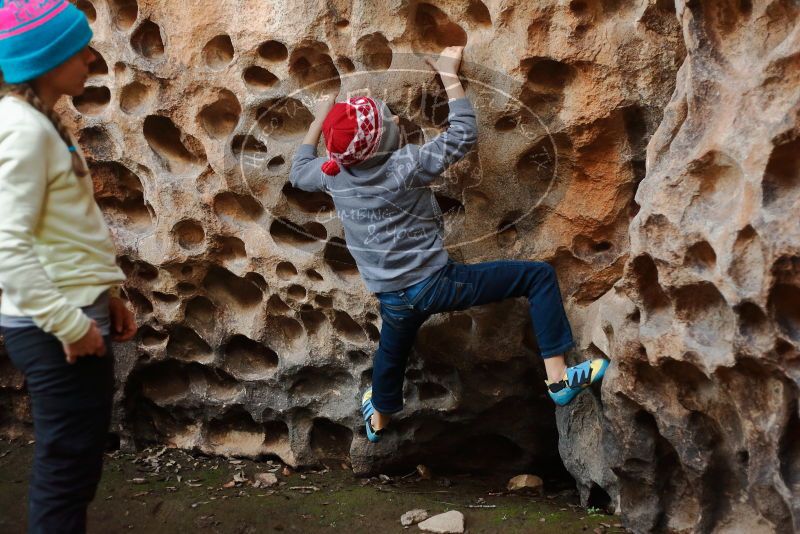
[438, 154]
[306, 173]
[23, 187]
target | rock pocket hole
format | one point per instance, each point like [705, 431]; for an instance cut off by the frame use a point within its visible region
[536, 167]
[308, 202]
[431, 390]
[313, 320]
[323, 301]
[230, 290]
[275, 164]
[296, 291]
[284, 118]
[189, 234]
[88, 9]
[220, 118]
[166, 298]
[433, 107]
[135, 97]
[185, 344]
[285, 232]
[700, 256]
[276, 305]
[248, 146]
[311, 66]
[598, 498]
[258, 280]
[164, 382]
[348, 328]
[508, 122]
[230, 248]
[246, 359]
[169, 143]
[98, 67]
[345, 64]
[97, 143]
[410, 132]
[119, 192]
[704, 310]
[218, 52]
[123, 13]
[374, 51]
[507, 231]
[314, 275]
[201, 314]
[548, 74]
[752, 321]
[646, 275]
[435, 30]
[92, 101]
[140, 303]
[147, 40]
[338, 258]
[150, 337]
[784, 304]
[479, 13]
[273, 51]
[259, 78]
[330, 441]
[782, 175]
[285, 270]
[235, 208]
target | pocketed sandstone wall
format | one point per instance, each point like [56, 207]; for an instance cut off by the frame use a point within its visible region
[698, 426]
[256, 332]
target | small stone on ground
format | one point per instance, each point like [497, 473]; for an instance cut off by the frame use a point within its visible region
[451, 522]
[412, 517]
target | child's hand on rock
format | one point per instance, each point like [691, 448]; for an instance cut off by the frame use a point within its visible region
[448, 62]
[323, 105]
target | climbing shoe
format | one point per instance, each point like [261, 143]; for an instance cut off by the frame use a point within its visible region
[368, 409]
[576, 378]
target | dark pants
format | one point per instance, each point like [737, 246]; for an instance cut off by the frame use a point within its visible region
[71, 406]
[458, 286]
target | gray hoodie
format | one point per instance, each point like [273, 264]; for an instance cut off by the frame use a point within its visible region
[392, 222]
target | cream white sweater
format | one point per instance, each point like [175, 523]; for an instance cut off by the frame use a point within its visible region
[56, 252]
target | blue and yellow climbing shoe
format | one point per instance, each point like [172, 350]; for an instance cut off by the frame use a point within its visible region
[576, 378]
[368, 409]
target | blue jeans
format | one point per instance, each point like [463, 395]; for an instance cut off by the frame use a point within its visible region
[458, 286]
[71, 407]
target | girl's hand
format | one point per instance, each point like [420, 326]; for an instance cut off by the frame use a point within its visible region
[91, 344]
[122, 320]
[323, 105]
[448, 62]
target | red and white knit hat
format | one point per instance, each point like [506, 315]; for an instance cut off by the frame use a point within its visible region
[352, 132]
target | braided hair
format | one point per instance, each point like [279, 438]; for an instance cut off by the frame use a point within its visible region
[26, 93]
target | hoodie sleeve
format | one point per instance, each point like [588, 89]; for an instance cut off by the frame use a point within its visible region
[23, 188]
[306, 173]
[438, 154]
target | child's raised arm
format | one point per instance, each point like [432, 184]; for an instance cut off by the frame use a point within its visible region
[447, 148]
[306, 173]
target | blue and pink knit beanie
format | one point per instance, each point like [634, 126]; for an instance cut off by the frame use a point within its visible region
[37, 36]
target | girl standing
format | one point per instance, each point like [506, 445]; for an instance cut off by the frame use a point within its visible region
[60, 309]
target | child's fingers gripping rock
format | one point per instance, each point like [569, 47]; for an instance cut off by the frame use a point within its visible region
[448, 61]
[323, 105]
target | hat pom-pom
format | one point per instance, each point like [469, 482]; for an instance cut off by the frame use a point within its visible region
[330, 167]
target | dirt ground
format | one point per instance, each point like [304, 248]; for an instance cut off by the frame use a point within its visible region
[164, 490]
